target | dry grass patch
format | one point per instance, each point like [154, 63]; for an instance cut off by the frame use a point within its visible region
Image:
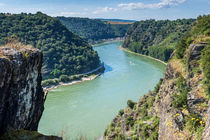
[178, 66]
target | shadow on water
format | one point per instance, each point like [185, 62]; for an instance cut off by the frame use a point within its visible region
[107, 68]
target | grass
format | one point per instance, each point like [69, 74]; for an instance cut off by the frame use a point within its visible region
[195, 125]
[180, 100]
[178, 66]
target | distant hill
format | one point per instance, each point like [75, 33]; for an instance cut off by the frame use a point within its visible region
[116, 20]
[64, 52]
[156, 38]
[93, 29]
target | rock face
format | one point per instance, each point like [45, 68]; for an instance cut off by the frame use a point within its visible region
[206, 133]
[21, 95]
[177, 108]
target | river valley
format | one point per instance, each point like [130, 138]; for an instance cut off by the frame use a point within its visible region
[85, 109]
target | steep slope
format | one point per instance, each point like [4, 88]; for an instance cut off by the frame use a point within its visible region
[21, 95]
[92, 29]
[156, 38]
[64, 52]
[178, 107]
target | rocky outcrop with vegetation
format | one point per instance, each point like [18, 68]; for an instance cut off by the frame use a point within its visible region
[178, 107]
[21, 94]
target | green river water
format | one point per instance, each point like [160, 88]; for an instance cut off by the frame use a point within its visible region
[85, 109]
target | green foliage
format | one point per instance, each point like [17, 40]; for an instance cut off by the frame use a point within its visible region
[162, 53]
[131, 104]
[143, 111]
[75, 77]
[156, 38]
[64, 52]
[205, 63]
[180, 100]
[25, 135]
[121, 112]
[92, 29]
[150, 101]
[129, 121]
[134, 137]
[136, 47]
[150, 131]
[201, 28]
[157, 87]
[49, 82]
[195, 124]
[182, 45]
[64, 78]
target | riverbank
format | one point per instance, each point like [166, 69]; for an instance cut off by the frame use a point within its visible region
[83, 79]
[127, 50]
[91, 75]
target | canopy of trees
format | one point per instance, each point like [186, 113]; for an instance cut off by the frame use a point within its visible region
[64, 52]
[156, 38]
[92, 29]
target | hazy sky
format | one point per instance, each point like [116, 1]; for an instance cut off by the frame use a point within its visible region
[123, 9]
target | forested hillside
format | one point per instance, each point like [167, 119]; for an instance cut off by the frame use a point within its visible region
[156, 38]
[64, 52]
[92, 29]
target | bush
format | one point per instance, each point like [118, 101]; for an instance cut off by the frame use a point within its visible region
[49, 82]
[157, 87]
[64, 78]
[76, 77]
[180, 100]
[121, 112]
[129, 121]
[193, 122]
[150, 101]
[131, 104]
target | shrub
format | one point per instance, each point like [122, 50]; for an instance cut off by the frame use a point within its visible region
[75, 77]
[131, 104]
[121, 112]
[49, 82]
[157, 87]
[64, 78]
[194, 123]
[129, 121]
[180, 100]
[150, 101]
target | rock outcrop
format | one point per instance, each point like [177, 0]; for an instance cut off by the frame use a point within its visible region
[21, 94]
[177, 109]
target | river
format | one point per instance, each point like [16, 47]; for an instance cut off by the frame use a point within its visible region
[85, 109]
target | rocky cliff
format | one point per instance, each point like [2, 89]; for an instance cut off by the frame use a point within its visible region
[21, 95]
[175, 109]
[178, 108]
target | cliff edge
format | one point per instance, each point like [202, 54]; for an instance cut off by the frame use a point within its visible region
[21, 94]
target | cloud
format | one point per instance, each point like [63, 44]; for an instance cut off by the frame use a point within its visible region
[2, 4]
[71, 14]
[140, 5]
[104, 10]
